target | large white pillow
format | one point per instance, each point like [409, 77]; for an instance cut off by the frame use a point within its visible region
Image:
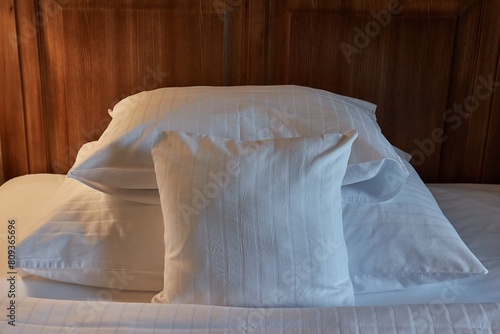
[405, 241]
[120, 161]
[91, 238]
[253, 223]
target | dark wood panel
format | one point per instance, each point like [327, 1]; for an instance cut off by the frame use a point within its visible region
[254, 49]
[400, 56]
[481, 153]
[31, 86]
[95, 53]
[491, 163]
[420, 8]
[65, 62]
[54, 80]
[12, 122]
[456, 120]
[180, 6]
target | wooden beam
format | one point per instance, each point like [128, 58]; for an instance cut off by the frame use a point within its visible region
[12, 121]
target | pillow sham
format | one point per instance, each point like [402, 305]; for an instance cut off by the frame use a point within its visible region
[91, 238]
[120, 161]
[253, 223]
[405, 241]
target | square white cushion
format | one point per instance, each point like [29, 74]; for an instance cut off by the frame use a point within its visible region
[91, 238]
[253, 223]
[120, 161]
[405, 241]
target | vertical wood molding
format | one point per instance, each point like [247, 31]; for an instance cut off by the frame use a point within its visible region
[482, 146]
[255, 48]
[12, 121]
[456, 126]
[53, 82]
[491, 162]
[28, 27]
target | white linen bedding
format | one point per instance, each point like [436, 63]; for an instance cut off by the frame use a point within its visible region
[27, 197]
[120, 163]
[473, 210]
[51, 316]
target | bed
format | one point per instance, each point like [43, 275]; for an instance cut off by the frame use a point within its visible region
[250, 166]
[468, 305]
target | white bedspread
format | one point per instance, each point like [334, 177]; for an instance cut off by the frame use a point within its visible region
[427, 309]
[52, 316]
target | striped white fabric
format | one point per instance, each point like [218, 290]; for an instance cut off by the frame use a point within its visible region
[57, 316]
[88, 237]
[405, 241]
[253, 223]
[120, 161]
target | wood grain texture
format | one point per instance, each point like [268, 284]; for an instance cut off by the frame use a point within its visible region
[491, 163]
[31, 86]
[12, 121]
[482, 149]
[96, 53]
[456, 120]
[417, 60]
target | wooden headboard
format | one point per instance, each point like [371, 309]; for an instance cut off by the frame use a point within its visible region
[432, 68]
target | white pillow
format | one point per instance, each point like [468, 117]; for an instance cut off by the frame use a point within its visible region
[120, 161]
[91, 238]
[253, 224]
[403, 242]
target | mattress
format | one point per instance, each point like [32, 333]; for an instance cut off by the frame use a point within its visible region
[467, 303]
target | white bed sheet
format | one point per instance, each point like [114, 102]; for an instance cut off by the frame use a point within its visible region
[53, 316]
[473, 209]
